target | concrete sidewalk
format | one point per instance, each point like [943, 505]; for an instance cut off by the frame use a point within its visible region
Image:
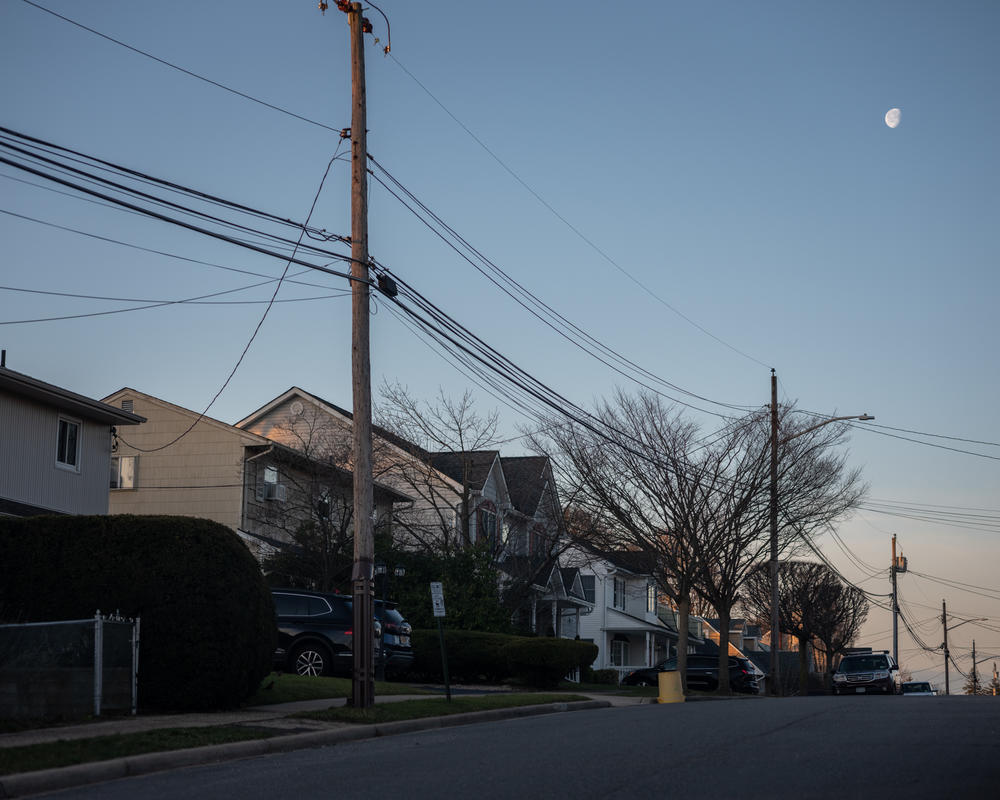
[290, 734]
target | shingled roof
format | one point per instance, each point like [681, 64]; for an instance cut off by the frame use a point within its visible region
[526, 478]
[470, 467]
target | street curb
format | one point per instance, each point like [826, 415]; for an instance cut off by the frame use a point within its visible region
[49, 780]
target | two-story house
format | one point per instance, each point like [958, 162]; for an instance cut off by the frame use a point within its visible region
[55, 447]
[182, 462]
[624, 623]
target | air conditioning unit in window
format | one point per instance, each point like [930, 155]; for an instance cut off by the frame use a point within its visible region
[275, 491]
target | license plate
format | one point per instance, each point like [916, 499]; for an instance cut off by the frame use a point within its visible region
[860, 690]
[404, 641]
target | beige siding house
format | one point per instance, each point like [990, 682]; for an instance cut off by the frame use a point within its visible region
[322, 430]
[187, 464]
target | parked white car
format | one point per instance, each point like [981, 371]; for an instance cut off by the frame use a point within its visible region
[918, 689]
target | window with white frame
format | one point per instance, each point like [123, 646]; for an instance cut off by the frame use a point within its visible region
[619, 652]
[124, 472]
[68, 443]
[619, 596]
[651, 598]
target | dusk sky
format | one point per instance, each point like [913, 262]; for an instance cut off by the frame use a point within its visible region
[709, 189]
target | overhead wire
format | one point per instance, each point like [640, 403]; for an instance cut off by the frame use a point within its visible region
[188, 72]
[590, 243]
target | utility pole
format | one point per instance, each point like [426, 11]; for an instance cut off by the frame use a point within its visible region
[363, 646]
[944, 621]
[995, 679]
[975, 679]
[895, 605]
[775, 633]
[899, 564]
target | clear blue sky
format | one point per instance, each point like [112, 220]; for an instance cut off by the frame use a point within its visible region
[729, 157]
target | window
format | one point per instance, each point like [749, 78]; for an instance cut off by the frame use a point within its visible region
[619, 598]
[619, 650]
[651, 598]
[487, 524]
[68, 444]
[588, 587]
[124, 472]
[323, 504]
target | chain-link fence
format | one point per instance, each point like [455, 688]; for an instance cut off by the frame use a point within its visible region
[69, 668]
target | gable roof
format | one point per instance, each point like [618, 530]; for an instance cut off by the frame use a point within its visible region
[384, 433]
[527, 477]
[471, 467]
[50, 394]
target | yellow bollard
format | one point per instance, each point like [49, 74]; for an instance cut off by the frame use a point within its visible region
[670, 687]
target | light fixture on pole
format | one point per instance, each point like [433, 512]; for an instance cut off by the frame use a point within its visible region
[775, 634]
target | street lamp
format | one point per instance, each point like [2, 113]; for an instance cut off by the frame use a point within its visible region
[775, 635]
[383, 572]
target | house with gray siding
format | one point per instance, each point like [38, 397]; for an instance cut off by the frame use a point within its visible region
[56, 448]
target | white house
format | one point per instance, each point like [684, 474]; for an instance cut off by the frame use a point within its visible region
[624, 623]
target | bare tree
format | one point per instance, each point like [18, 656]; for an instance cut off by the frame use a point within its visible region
[815, 487]
[440, 519]
[640, 476]
[813, 603]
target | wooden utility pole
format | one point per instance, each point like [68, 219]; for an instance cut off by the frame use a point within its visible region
[775, 632]
[895, 606]
[944, 621]
[363, 683]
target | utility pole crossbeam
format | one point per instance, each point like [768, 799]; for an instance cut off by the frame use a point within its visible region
[363, 646]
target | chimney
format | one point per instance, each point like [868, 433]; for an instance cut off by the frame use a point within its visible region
[3, 359]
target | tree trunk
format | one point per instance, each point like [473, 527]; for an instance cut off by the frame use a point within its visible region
[803, 667]
[683, 614]
[724, 618]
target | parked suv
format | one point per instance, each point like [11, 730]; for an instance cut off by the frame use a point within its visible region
[866, 673]
[397, 645]
[315, 632]
[702, 674]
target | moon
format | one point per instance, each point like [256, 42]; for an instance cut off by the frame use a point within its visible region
[892, 117]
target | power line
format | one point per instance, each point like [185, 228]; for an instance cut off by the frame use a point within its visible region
[154, 251]
[531, 302]
[256, 330]
[572, 227]
[188, 72]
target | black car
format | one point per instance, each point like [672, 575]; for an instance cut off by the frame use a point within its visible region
[315, 632]
[702, 674]
[866, 673]
[397, 644]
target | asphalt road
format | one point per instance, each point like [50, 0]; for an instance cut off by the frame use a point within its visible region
[816, 747]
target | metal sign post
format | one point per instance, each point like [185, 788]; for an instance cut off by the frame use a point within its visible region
[437, 601]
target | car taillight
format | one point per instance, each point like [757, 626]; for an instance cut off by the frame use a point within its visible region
[349, 632]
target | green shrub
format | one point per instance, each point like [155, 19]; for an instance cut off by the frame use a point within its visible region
[601, 676]
[207, 619]
[472, 655]
[543, 662]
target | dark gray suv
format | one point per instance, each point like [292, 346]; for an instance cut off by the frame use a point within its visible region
[315, 632]
[866, 673]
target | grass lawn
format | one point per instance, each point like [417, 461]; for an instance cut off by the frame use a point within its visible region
[437, 707]
[284, 688]
[80, 751]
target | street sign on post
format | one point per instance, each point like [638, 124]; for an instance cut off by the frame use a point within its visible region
[437, 601]
[437, 598]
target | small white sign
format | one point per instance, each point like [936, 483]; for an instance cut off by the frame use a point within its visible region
[437, 598]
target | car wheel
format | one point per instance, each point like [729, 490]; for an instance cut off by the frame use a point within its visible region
[310, 660]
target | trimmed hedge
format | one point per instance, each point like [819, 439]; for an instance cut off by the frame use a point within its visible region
[473, 656]
[207, 630]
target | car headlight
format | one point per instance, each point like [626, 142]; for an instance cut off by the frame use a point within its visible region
[839, 677]
[881, 675]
